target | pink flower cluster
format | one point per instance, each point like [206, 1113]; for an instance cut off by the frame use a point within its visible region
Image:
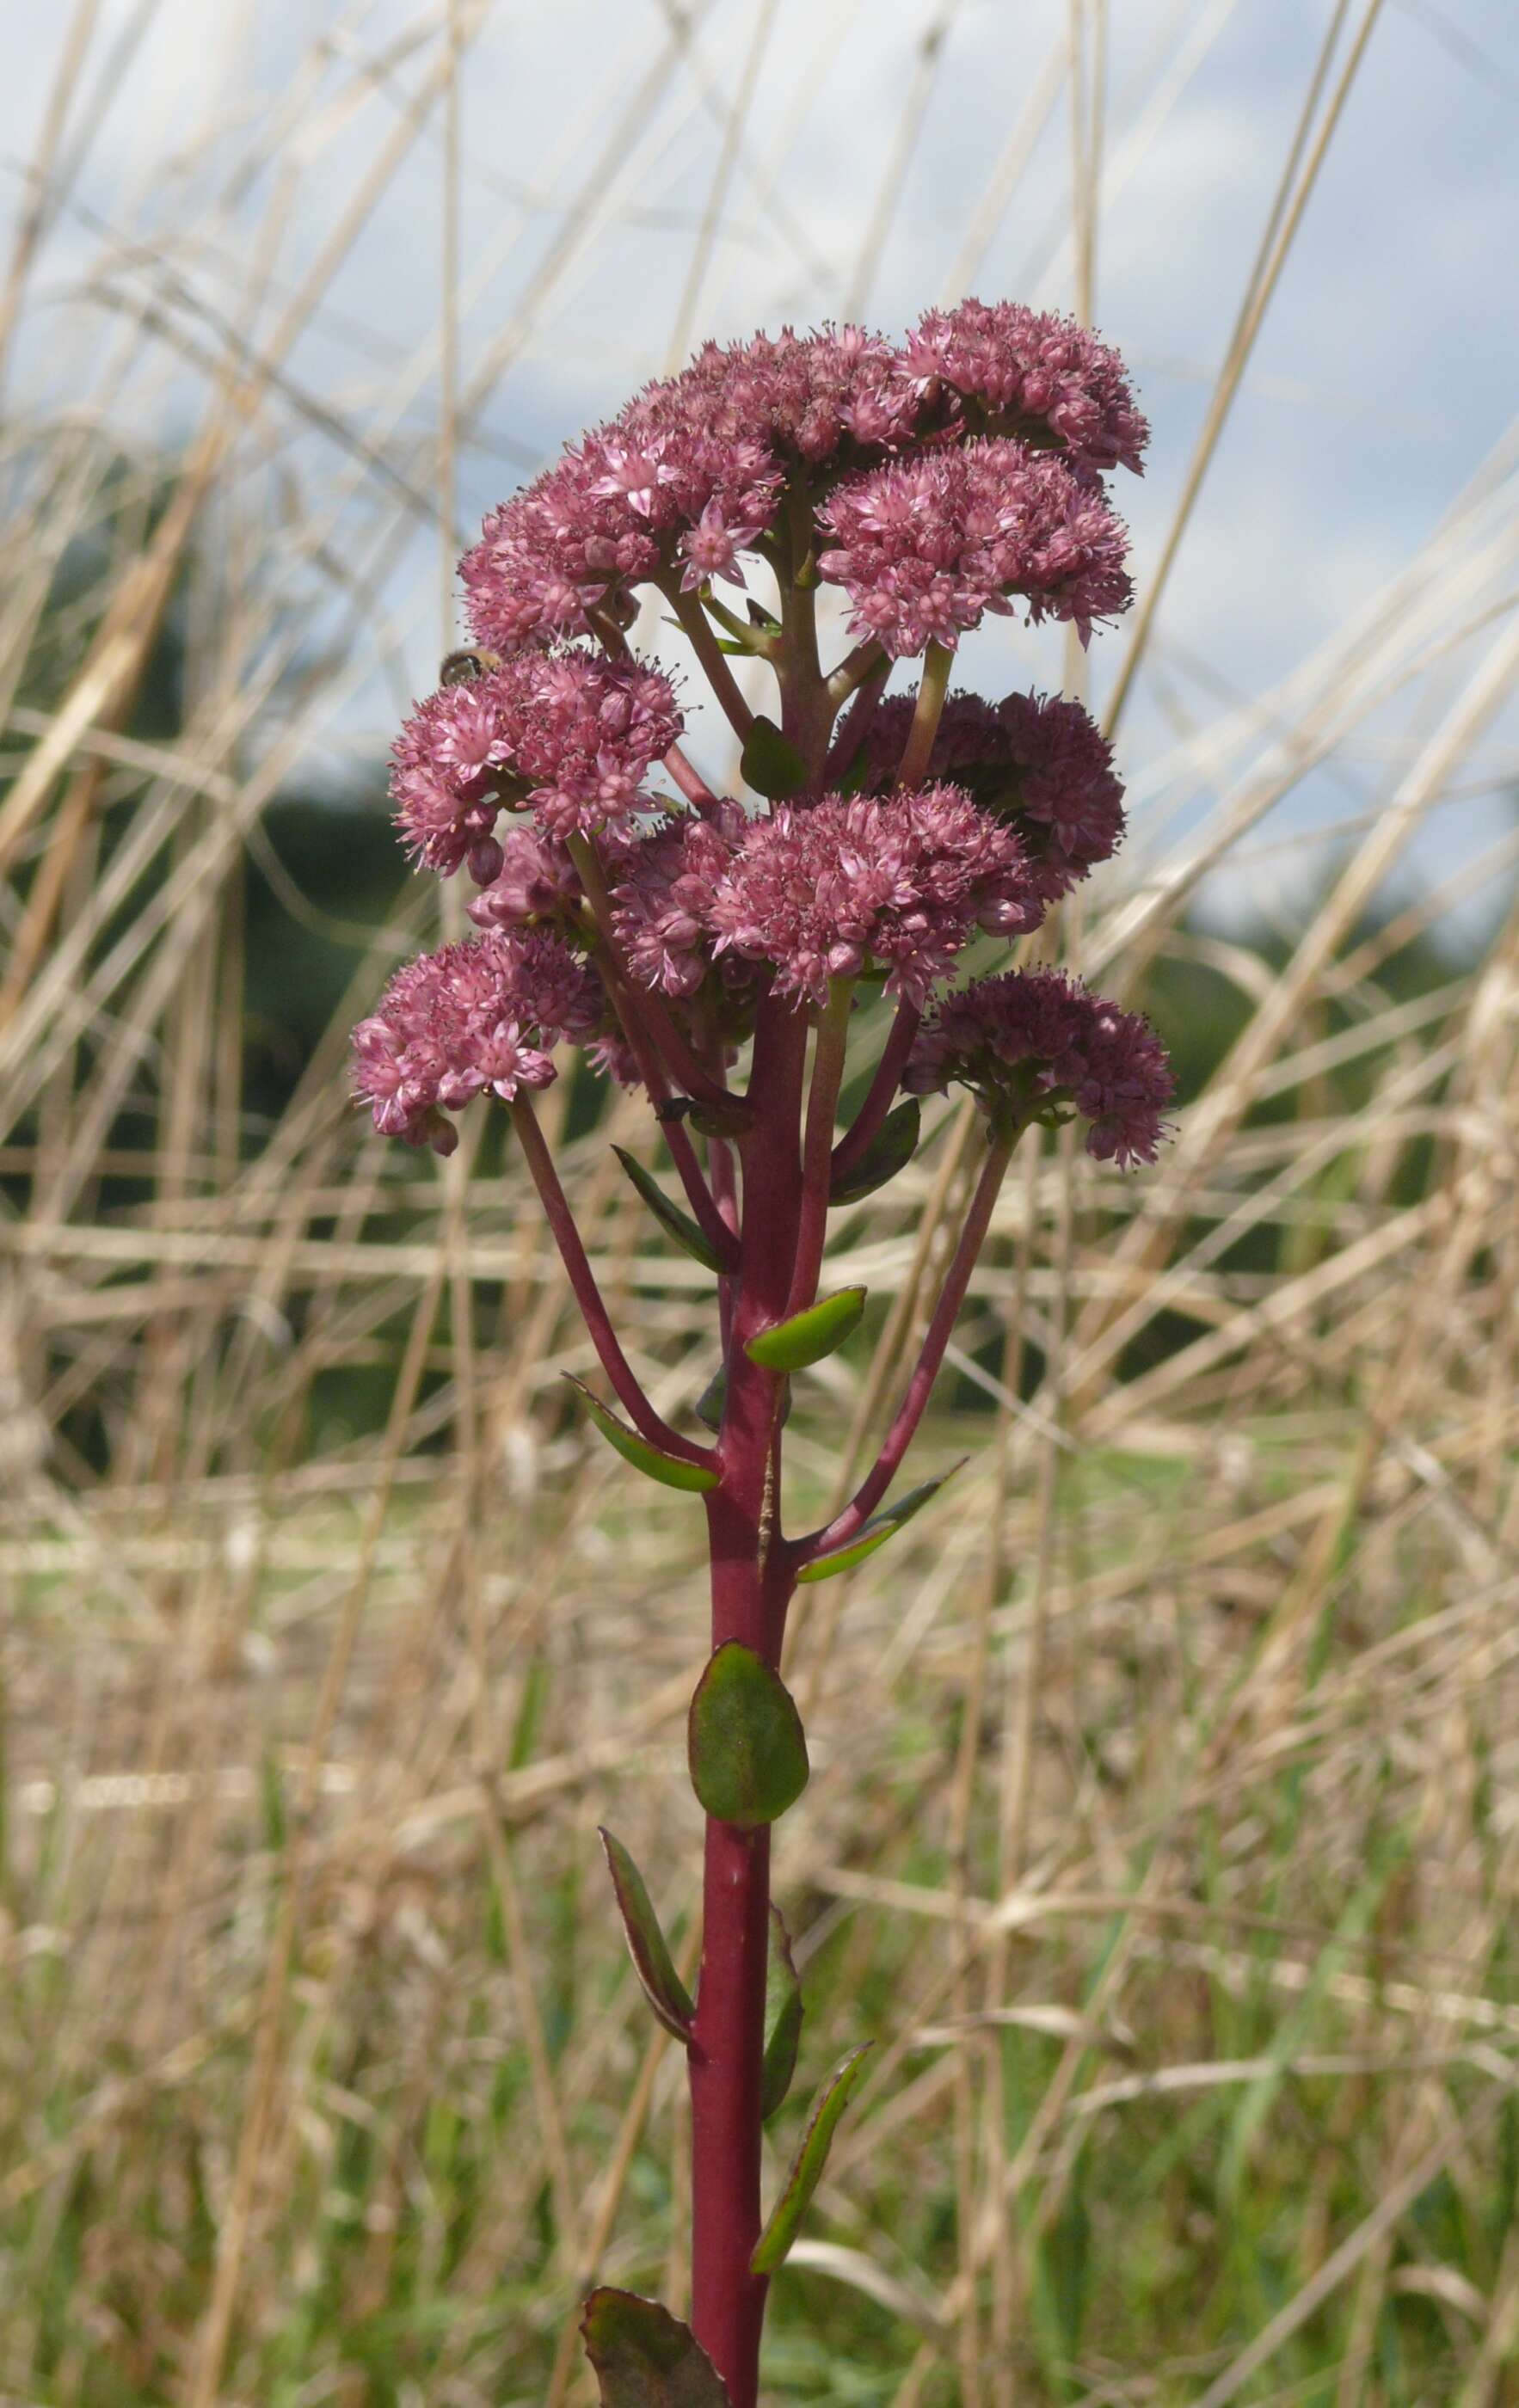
[1039, 760]
[1037, 375]
[568, 735]
[934, 481]
[474, 1015]
[666, 895]
[689, 476]
[925, 547]
[823, 890]
[1034, 1040]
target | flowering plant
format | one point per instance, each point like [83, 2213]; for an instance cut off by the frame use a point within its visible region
[702, 949]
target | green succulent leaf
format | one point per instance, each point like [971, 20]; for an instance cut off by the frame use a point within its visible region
[662, 1984]
[671, 1469]
[708, 1405]
[770, 762]
[809, 1335]
[785, 2217]
[747, 1751]
[675, 1224]
[893, 1145]
[782, 2018]
[644, 2358]
[727, 1118]
[875, 1533]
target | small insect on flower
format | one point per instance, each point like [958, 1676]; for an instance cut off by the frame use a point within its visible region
[469, 661]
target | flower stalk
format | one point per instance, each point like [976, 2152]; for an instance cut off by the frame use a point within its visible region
[694, 957]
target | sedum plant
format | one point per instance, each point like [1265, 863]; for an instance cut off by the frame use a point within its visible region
[712, 952]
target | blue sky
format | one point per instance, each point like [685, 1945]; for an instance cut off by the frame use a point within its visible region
[1383, 376]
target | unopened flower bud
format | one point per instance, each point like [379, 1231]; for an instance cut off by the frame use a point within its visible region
[485, 861]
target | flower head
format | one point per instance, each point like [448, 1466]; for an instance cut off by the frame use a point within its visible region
[822, 890]
[477, 1015]
[568, 735]
[1040, 761]
[925, 546]
[1037, 375]
[1033, 1042]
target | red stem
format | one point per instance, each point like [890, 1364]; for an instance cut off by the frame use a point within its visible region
[845, 1526]
[883, 1088]
[751, 1582]
[856, 723]
[817, 1153]
[699, 635]
[689, 779]
[588, 1295]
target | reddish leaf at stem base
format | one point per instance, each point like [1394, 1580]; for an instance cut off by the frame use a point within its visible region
[645, 2358]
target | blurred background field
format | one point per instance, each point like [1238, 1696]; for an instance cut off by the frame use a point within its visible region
[1164, 1829]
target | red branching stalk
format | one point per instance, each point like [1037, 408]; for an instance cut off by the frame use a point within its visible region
[978, 1220]
[583, 1280]
[882, 1091]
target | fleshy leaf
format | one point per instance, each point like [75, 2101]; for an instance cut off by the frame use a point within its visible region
[727, 1118]
[782, 2018]
[708, 1405]
[662, 1984]
[747, 1755]
[770, 762]
[809, 1335]
[807, 2165]
[651, 1460]
[644, 2358]
[893, 1145]
[875, 1533]
[675, 1224]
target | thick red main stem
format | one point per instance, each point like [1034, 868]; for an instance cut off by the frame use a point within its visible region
[751, 1584]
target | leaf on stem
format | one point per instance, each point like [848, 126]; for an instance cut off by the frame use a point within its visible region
[782, 2018]
[708, 1405]
[807, 2165]
[662, 1984]
[675, 1224]
[770, 762]
[893, 1145]
[747, 1752]
[875, 1533]
[672, 1471]
[807, 1336]
[644, 2358]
